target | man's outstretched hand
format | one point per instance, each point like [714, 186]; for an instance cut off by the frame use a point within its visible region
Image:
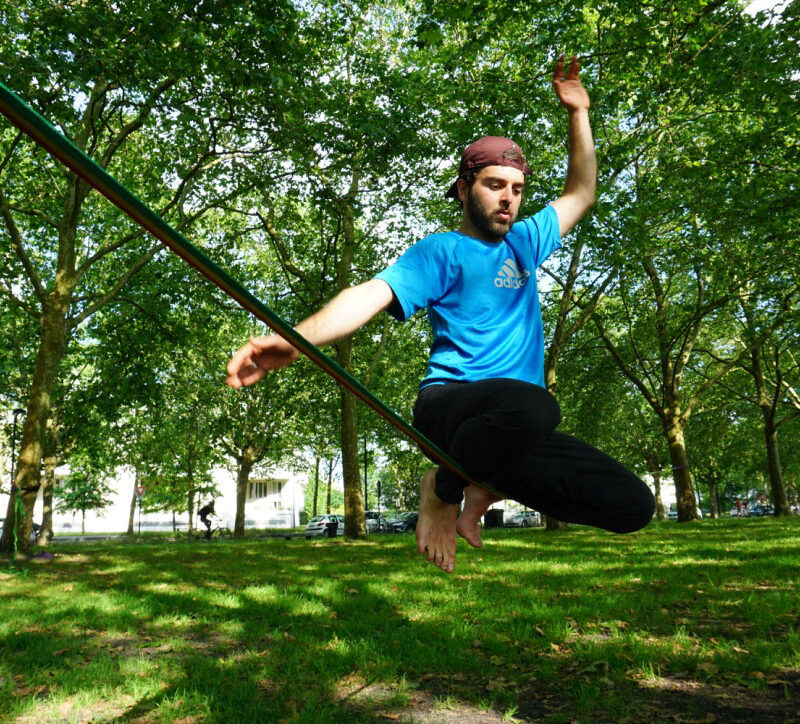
[257, 357]
[569, 89]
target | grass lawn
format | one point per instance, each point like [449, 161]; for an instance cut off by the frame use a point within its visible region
[691, 623]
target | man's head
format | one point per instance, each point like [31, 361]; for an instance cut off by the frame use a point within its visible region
[491, 178]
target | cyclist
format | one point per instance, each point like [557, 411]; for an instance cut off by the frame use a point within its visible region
[204, 513]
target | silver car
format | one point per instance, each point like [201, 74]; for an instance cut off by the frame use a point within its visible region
[523, 519]
[323, 525]
[375, 522]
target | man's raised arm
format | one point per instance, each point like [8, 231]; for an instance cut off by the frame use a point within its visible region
[343, 315]
[579, 189]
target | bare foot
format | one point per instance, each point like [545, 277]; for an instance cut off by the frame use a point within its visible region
[436, 527]
[476, 503]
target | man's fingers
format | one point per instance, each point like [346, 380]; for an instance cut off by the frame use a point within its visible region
[559, 69]
[256, 358]
[574, 68]
[251, 376]
[247, 376]
[244, 357]
[241, 358]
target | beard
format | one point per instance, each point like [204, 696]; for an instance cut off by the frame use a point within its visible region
[484, 220]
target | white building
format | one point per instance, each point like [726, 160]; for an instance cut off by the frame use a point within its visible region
[272, 502]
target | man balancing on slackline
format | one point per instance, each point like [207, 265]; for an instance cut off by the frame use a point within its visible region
[483, 398]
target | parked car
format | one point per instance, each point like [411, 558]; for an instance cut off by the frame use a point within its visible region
[672, 514]
[375, 522]
[404, 522]
[324, 525]
[523, 519]
[36, 529]
[760, 510]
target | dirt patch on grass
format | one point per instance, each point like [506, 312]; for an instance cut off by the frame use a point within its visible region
[68, 711]
[730, 702]
[677, 699]
[385, 702]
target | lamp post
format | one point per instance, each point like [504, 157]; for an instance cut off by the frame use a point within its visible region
[19, 411]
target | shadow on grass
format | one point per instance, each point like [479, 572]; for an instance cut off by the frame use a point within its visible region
[584, 624]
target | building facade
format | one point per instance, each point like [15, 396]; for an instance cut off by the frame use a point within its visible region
[272, 502]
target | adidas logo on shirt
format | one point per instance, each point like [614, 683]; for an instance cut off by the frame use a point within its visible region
[510, 276]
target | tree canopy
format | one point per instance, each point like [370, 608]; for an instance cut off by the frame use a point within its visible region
[305, 145]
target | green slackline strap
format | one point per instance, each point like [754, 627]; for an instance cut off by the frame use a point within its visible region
[35, 126]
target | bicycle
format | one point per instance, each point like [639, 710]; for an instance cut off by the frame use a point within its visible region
[219, 532]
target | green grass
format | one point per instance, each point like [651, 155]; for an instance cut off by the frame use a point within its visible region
[694, 622]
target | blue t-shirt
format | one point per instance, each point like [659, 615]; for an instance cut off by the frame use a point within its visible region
[482, 300]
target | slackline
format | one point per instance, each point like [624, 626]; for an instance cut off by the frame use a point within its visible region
[44, 134]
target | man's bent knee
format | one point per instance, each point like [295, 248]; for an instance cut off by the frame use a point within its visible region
[639, 512]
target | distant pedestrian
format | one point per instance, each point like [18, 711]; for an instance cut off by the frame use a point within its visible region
[204, 513]
[738, 505]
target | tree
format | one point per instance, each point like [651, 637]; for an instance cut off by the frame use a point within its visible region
[85, 488]
[691, 224]
[355, 147]
[773, 369]
[147, 116]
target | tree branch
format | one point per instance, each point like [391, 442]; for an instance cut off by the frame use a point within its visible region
[17, 301]
[73, 322]
[19, 248]
[626, 369]
[34, 212]
[10, 151]
[137, 122]
[379, 351]
[280, 247]
[100, 253]
[643, 362]
[756, 343]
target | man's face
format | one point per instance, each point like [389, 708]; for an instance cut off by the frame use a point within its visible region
[492, 202]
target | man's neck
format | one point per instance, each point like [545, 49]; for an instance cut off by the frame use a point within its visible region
[469, 229]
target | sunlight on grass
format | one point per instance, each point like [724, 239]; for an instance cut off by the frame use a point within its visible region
[580, 625]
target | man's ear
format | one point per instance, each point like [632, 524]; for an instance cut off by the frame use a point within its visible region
[462, 191]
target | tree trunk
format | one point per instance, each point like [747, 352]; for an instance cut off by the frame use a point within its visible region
[780, 500]
[355, 525]
[661, 512]
[550, 379]
[354, 522]
[134, 500]
[551, 523]
[46, 535]
[330, 485]
[316, 485]
[654, 469]
[764, 401]
[52, 455]
[684, 492]
[242, 479]
[190, 488]
[713, 495]
[26, 479]
[190, 508]
[83, 522]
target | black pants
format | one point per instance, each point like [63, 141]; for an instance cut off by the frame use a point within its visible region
[502, 432]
